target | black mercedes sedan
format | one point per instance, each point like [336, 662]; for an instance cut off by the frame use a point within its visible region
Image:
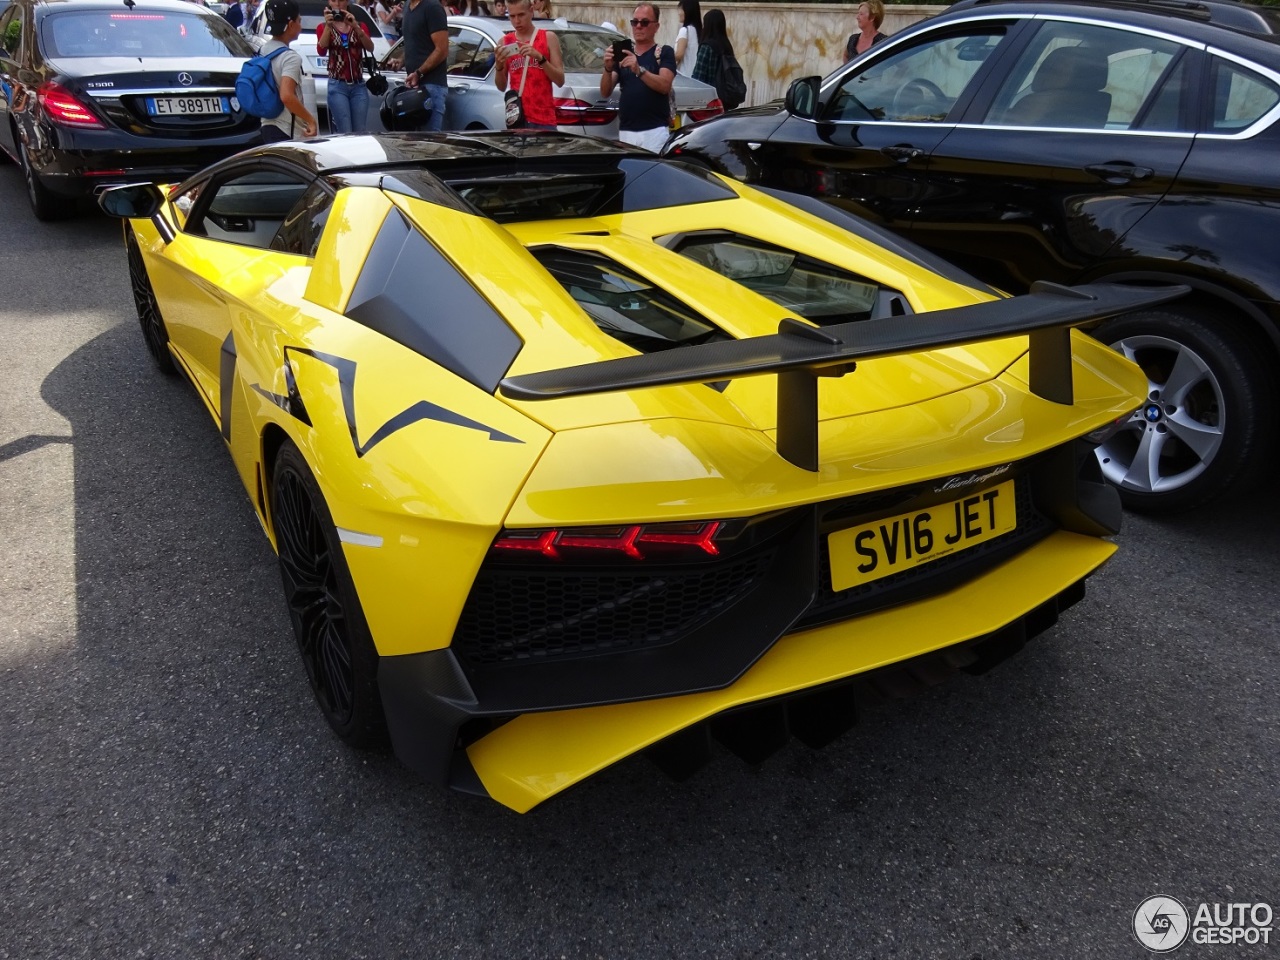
[101, 92]
[1074, 142]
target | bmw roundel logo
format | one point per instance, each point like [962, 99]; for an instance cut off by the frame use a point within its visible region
[1152, 413]
[185, 79]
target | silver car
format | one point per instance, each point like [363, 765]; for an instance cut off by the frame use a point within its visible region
[474, 102]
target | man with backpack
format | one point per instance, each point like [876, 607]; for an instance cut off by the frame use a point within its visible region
[645, 72]
[292, 119]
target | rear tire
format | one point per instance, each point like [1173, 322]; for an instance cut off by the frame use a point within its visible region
[333, 638]
[1208, 414]
[45, 204]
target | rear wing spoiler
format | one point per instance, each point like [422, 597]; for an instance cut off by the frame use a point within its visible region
[800, 353]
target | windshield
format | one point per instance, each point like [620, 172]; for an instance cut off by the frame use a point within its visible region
[110, 33]
[311, 21]
[583, 50]
[313, 16]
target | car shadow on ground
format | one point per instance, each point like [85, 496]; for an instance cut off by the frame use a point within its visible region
[214, 805]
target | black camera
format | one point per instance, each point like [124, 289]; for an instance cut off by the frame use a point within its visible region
[620, 48]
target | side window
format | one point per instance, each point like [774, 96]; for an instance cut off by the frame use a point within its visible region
[470, 53]
[1167, 111]
[1083, 76]
[185, 201]
[919, 84]
[1240, 97]
[11, 31]
[302, 228]
[247, 209]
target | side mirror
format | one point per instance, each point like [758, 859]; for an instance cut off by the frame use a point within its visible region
[802, 98]
[132, 201]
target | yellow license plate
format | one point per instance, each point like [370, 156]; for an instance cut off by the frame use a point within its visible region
[883, 547]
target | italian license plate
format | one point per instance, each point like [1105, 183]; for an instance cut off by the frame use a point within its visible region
[322, 63]
[883, 547]
[187, 106]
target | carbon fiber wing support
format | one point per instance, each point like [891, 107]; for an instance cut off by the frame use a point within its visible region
[800, 353]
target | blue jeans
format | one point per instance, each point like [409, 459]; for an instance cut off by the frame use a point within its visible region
[437, 92]
[348, 107]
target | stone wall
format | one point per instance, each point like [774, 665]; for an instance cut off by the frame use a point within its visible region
[775, 42]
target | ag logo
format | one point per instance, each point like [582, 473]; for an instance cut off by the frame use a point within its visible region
[1161, 924]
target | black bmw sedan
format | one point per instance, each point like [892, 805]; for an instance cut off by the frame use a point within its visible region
[1074, 142]
[102, 92]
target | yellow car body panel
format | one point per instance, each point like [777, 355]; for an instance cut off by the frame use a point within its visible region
[429, 468]
[686, 469]
[537, 755]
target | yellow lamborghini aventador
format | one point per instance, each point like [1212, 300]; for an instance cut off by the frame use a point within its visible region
[569, 451]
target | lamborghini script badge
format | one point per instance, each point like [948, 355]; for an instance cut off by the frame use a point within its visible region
[969, 479]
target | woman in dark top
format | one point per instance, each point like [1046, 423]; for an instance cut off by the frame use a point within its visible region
[870, 16]
[715, 43]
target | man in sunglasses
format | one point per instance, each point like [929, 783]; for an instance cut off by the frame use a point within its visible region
[645, 74]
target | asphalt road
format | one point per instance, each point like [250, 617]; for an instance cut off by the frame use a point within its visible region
[168, 789]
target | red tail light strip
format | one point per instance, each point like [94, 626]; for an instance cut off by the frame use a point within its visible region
[63, 108]
[713, 109]
[629, 540]
[570, 112]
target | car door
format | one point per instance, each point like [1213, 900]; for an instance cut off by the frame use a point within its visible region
[1217, 220]
[868, 147]
[474, 102]
[1061, 152]
[228, 251]
[13, 95]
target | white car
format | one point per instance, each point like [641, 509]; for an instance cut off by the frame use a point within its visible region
[313, 65]
[475, 103]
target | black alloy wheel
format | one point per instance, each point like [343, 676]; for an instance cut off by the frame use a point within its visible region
[337, 651]
[1206, 420]
[45, 204]
[154, 332]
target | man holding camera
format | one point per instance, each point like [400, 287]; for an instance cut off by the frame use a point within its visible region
[345, 42]
[645, 72]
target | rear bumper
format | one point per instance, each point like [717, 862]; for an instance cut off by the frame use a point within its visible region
[534, 755]
[91, 163]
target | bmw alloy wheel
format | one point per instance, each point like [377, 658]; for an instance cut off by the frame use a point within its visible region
[1174, 436]
[1208, 420]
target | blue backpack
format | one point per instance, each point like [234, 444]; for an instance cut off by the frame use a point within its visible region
[256, 87]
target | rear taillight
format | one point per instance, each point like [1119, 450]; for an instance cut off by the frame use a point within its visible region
[571, 112]
[63, 108]
[648, 541]
[712, 109]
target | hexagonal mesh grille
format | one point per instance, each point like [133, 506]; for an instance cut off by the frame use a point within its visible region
[519, 614]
